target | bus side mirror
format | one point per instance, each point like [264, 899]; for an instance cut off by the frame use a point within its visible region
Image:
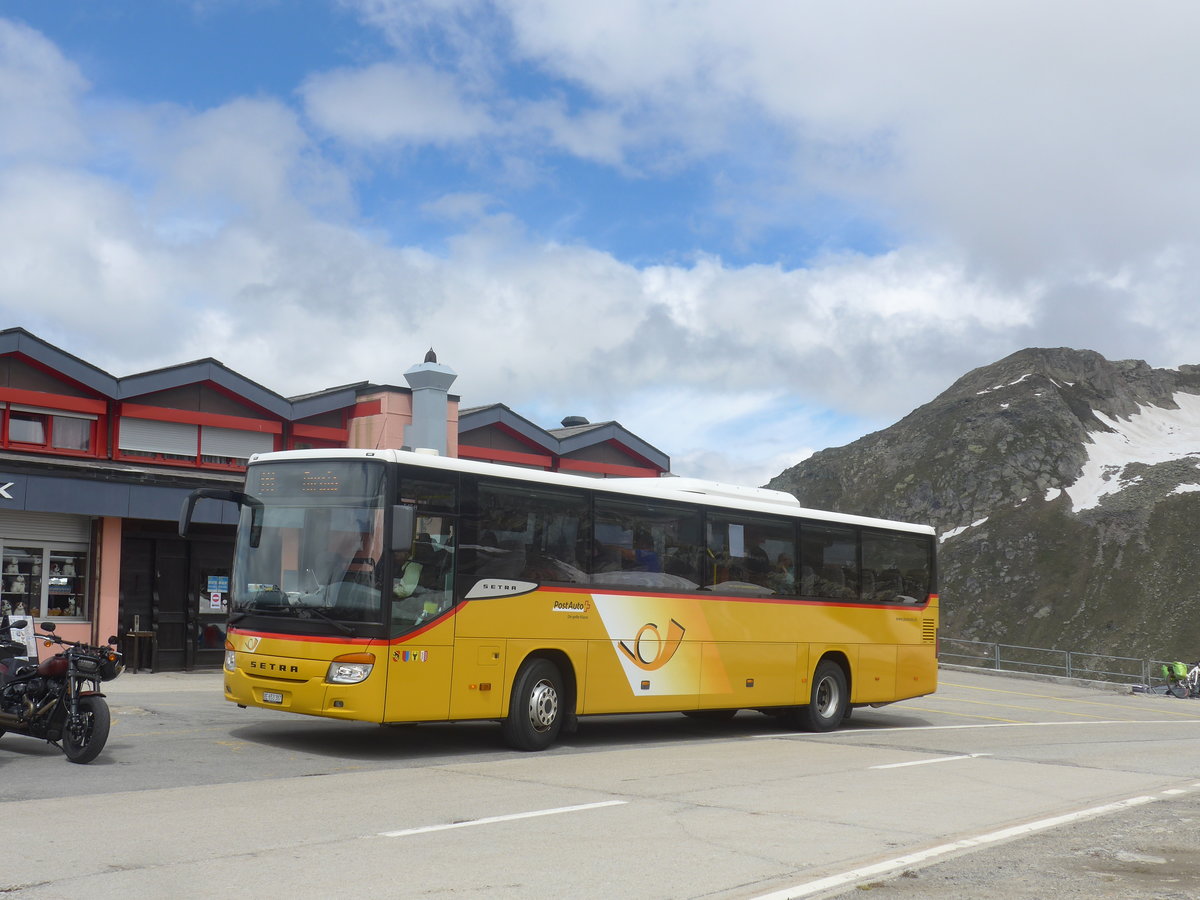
[404, 527]
[241, 499]
[256, 521]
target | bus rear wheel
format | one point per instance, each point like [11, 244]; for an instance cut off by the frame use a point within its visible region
[535, 714]
[829, 701]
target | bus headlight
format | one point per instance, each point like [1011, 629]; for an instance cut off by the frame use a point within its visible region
[350, 668]
[230, 661]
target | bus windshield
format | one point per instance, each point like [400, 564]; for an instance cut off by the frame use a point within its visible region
[313, 550]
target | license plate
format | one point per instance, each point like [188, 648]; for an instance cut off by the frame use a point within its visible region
[272, 697]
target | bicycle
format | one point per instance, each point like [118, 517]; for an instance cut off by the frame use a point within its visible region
[1181, 681]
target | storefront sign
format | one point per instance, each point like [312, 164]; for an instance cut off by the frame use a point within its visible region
[26, 636]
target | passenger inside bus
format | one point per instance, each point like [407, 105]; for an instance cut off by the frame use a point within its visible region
[644, 557]
[421, 583]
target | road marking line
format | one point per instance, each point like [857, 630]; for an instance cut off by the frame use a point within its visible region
[994, 705]
[925, 762]
[899, 863]
[1060, 699]
[509, 818]
[962, 715]
[901, 729]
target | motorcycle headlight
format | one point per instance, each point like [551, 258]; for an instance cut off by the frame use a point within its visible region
[112, 667]
[351, 668]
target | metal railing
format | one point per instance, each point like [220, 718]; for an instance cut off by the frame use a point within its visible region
[1041, 661]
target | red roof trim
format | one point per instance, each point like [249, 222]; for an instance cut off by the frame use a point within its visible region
[191, 417]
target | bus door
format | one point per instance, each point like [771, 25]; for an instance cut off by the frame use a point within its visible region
[421, 650]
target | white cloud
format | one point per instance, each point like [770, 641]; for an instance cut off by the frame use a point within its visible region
[1037, 138]
[460, 207]
[1035, 196]
[75, 252]
[597, 135]
[39, 89]
[392, 104]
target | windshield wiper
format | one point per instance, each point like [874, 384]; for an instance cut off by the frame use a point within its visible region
[309, 611]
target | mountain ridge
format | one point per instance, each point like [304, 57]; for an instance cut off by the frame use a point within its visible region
[1065, 489]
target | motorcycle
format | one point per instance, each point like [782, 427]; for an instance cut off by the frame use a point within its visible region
[58, 699]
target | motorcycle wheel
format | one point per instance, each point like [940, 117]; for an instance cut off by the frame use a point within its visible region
[85, 746]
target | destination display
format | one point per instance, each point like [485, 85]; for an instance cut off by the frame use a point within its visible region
[332, 483]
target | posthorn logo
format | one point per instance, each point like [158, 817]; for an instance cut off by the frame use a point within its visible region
[650, 650]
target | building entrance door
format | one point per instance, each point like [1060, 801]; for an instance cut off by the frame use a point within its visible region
[167, 590]
[208, 593]
[170, 605]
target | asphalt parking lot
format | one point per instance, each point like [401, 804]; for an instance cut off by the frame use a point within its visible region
[992, 787]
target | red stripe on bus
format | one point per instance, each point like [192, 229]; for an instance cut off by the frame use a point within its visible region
[405, 638]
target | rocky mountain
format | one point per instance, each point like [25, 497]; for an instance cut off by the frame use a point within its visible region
[1065, 489]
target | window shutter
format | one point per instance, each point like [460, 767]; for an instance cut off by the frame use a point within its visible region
[149, 436]
[233, 442]
[17, 526]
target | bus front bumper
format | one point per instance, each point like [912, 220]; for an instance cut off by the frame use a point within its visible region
[301, 686]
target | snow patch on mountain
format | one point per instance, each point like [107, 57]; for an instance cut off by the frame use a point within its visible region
[955, 532]
[1152, 435]
[1001, 387]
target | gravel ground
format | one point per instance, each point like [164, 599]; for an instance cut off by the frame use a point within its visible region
[1148, 852]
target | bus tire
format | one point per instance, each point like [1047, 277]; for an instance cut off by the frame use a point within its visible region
[828, 701]
[535, 713]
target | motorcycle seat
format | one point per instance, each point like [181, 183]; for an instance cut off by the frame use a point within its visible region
[15, 667]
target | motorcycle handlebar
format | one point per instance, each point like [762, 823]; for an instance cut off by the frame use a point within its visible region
[55, 639]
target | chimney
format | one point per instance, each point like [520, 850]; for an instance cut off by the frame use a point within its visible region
[430, 383]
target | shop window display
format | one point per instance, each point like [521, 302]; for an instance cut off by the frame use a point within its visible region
[43, 581]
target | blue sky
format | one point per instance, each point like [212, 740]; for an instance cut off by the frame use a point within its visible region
[746, 231]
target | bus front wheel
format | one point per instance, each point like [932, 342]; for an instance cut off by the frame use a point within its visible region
[829, 700]
[535, 714]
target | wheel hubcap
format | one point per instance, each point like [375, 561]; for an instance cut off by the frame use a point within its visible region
[827, 697]
[543, 706]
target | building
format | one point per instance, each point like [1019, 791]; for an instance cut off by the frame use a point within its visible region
[497, 434]
[94, 469]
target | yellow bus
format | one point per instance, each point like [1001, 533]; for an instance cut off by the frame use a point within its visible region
[390, 586]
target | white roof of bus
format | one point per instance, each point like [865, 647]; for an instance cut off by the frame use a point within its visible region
[682, 490]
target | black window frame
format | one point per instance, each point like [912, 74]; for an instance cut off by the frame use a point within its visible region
[595, 501]
[488, 556]
[891, 588]
[826, 577]
[650, 560]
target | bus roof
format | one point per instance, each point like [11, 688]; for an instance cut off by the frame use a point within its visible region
[669, 487]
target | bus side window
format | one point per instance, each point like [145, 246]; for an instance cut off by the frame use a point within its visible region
[639, 544]
[529, 534]
[829, 561]
[747, 552]
[899, 565]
